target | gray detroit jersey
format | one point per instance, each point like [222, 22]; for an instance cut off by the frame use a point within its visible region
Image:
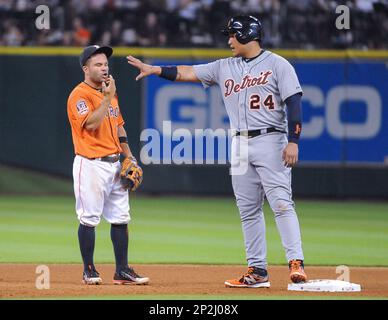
[253, 92]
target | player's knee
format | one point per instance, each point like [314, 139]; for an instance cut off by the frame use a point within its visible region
[281, 206]
[91, 221]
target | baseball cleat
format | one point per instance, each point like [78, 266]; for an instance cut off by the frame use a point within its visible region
[129, 276]
[254, 278]
[297, 273]
[91, 276]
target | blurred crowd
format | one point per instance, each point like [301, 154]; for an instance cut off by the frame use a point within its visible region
[300, 24]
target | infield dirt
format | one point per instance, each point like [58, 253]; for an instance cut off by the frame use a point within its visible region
[18, 281]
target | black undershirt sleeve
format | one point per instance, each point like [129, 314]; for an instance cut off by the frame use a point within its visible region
[294, 117]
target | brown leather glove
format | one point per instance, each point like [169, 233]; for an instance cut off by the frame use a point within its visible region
[131, 175]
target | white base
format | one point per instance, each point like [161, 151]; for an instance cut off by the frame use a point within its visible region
[325, 285]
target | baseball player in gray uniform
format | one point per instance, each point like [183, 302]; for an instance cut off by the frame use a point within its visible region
[262, 96]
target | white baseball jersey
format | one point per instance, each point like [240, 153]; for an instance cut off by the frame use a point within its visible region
[253, 92]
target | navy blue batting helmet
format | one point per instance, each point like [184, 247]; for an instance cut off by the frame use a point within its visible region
[245, 28]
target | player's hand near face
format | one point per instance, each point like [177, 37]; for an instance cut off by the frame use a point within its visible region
[109, 88]
[145, 69]
[290, 154]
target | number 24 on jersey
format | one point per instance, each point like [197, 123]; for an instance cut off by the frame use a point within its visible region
[255, 102]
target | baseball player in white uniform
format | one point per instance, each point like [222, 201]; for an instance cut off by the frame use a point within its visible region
[262, 96]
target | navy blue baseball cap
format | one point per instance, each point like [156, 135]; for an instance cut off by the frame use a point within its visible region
[91, 50]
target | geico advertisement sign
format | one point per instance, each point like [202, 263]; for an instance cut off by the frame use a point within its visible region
[191, 107]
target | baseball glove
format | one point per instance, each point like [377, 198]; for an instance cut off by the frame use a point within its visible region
[131, 175]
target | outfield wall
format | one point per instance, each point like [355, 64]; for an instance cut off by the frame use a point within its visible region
[344, 145]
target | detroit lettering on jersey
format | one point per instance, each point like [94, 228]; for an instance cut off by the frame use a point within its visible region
[247, 82]
[253, 91]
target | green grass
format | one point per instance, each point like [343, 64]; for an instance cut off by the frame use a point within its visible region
[192, 230]
[22, 181]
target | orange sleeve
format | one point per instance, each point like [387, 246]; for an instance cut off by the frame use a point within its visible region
[120, 119]
[80, 108]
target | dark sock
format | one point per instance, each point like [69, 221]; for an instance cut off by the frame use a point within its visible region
[119, 236]
[86, 238]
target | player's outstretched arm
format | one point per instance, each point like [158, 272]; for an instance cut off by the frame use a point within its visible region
[182, 73]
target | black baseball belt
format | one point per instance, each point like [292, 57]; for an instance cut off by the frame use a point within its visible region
[111, 158]
[258, 132]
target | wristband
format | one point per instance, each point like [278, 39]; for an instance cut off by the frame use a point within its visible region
[169, 73]
[123, 140]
